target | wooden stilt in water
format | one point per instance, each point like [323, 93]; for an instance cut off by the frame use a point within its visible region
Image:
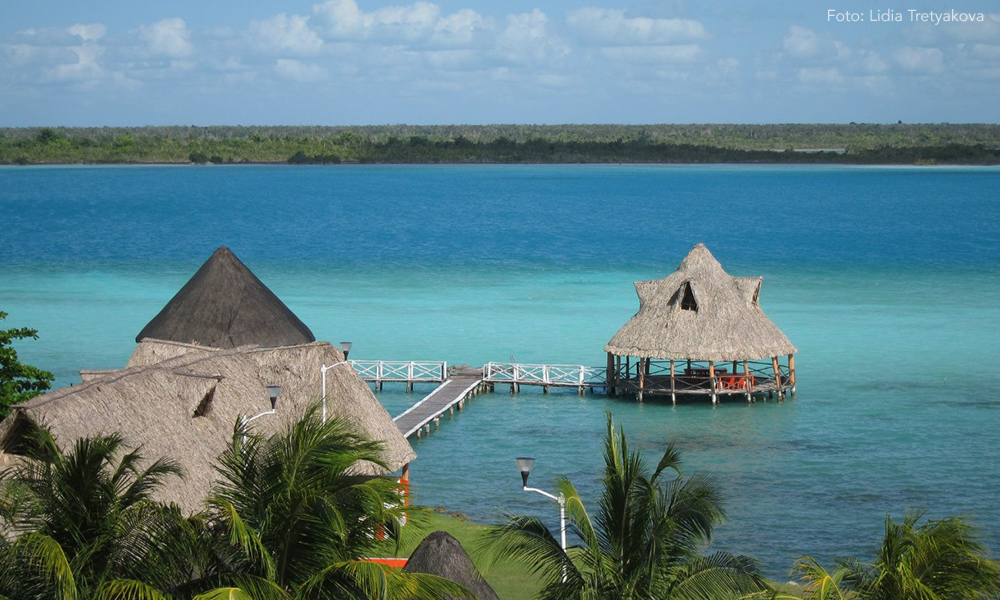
[791, 372]
[642, 376]
[610, 377]
[711, 381]
[673, 384]
[618, 375]
[777, 375]
[746, 382]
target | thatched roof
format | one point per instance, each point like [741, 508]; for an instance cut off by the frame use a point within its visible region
[700, 312]
[225, 306]
[182, 401]
[442, 555]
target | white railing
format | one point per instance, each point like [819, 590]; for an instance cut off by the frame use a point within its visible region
[555, 375]
[408, 371]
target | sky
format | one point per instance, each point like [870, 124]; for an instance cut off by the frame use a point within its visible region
[364, 62]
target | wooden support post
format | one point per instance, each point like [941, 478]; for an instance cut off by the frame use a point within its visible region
[747, 385]
[647, 367]
[673, 383]
[609, 379]
[791, 372]
[437, 422]
[642, 376]
[618, 374]
[628, 368]
[545, 389]
[777, 375]
[711, 381]
[451, 410]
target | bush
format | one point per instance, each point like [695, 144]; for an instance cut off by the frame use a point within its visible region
[198, 158]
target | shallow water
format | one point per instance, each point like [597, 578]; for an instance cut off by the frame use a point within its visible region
[887, 280]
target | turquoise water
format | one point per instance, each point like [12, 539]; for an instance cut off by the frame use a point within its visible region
[887, 280]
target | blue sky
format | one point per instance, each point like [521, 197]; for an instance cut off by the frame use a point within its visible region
[332, 62]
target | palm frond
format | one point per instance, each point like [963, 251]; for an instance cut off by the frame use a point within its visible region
[43, 554]
[128, 589]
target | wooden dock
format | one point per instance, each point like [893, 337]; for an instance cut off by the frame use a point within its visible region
[448, 396]
[409, 372]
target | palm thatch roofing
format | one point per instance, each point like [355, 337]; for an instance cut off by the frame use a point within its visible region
[181, 401]
[442, 555]
[700, 312]
[224, 305]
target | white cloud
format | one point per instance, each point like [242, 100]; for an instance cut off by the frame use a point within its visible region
[801, 42]
[986, 51]
[169, 37]
[652, 54]
[920, 59]
[299, 72]
[525, 39]
[459, 28]
[85, 68]
[344, 20]
[88, 33]
[873, 63]
[283, 34]
[820, 75]
[611, 27]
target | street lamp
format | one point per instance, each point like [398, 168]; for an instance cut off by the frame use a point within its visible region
[345, 347]
[524, 465]
[273, 391]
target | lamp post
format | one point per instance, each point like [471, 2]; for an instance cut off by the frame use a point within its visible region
[273, 391]
[524, 465]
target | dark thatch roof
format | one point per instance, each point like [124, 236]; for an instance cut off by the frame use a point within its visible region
[182, 401]
[225, 306]
[700, 312]
[442, 555]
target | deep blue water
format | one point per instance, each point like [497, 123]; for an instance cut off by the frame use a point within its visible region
[887, 280]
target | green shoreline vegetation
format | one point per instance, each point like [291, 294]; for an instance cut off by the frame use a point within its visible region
[855, 143]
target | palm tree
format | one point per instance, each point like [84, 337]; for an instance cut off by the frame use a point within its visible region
[936, 560]
[645, 541]
[81, 525]
[296, 517]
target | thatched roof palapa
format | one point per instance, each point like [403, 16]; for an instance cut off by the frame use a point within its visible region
[700, 312]
[442, 555]
[182, 401]
[224, 305]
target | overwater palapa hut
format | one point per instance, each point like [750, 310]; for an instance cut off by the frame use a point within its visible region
[181, 396]
[700, 331]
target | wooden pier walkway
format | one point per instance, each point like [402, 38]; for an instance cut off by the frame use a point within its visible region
[448, 396]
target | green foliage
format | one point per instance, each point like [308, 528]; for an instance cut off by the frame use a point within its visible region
[849, 144]
[84, 524]
[936, 560]
[292, 513]
[18, 382]
[645, 540]
[198, 158]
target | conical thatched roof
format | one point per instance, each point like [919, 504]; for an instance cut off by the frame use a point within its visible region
[182, 401]
[700, 312]
[442, 555]
[225, 306]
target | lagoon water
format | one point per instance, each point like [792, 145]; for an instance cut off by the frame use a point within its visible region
[887, 280]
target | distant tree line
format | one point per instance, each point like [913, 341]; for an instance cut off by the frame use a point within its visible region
[793, 143]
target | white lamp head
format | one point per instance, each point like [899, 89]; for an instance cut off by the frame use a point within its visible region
[524, 465]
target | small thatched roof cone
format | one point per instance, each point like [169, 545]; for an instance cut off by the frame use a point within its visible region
[700, 312]
[442, 555]
[224, 305]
